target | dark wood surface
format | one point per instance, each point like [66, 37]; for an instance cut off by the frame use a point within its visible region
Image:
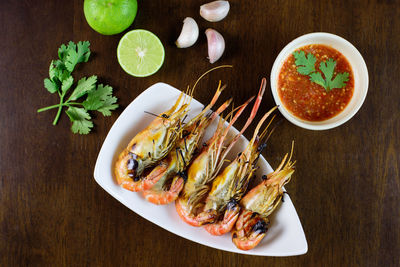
[346, 186]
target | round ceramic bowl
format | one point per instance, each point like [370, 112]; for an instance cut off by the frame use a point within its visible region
[359, 70]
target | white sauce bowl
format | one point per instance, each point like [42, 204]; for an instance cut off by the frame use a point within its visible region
[357, 64]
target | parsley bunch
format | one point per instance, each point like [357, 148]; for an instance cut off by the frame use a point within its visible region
[60, 81]
[306, 66]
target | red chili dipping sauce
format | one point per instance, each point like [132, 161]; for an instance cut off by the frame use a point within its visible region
[308, 100]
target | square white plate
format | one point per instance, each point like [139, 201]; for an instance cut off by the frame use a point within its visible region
[285, 236]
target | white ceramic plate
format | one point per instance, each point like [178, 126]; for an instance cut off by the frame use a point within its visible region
[285, 235]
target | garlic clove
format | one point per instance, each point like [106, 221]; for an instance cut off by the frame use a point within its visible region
[189, 33]
[216, 45]
[214, 11]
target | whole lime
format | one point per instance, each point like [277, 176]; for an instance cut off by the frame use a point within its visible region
[110, 16]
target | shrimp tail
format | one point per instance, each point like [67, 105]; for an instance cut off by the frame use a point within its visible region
[185, 214]
[154, 176]
[249, 230]
[165, 197]
[227, 223]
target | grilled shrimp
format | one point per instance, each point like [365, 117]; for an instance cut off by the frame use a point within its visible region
[206, 166]
[258, 204]
[174, 165]
[153, 143]
[230, 185]
[150, 145]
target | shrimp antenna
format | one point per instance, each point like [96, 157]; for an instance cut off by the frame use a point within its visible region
[187, 90]
[205, 73]
[210, 70]
[188, 93]
[266, 115]
[279, 167]
[229, 116]
[262, 135]
[147, 112]
[214, 99]
[285, 165]
[270, 133]
[289, 164]
[184, 118]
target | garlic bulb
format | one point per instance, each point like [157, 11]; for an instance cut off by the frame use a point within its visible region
[216, 45]
[189, 33]
[214, 11]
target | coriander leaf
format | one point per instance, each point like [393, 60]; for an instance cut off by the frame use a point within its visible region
[71, 46]
[63, 75]
[339, 81]
[305, 64]
[80, 120]
[101, 100]
[59, 64]
[108, 105]
[50, 85]
[71, 60]
[83, 51]
[74, 57]
[96, 97]
[85, 85]
[53, 72]
[62, 52]
[59, 72]
[67, 83]
[327, 68]
[317, 78]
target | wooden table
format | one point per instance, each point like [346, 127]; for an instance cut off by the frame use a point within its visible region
[346, 186]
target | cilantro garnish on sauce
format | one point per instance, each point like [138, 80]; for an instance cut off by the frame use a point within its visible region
[60, 81]
[306, 66]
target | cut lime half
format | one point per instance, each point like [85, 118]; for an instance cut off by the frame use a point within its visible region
[140, 53]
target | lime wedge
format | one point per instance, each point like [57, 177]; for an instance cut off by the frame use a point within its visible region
[140, 53]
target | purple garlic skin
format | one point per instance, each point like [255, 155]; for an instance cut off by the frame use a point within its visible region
[216, 45]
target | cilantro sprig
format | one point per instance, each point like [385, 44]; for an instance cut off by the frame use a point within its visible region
[306, 66]
[60, 81]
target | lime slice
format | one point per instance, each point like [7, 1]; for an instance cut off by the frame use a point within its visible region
[140, 53]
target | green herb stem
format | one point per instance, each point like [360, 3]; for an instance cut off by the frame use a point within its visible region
[59, 109]
[67, 103]
[47, 108]
[58, 105]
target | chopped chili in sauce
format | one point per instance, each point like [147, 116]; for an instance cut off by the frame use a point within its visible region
[308, 100]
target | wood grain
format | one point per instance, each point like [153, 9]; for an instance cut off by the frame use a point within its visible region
[346, 187]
